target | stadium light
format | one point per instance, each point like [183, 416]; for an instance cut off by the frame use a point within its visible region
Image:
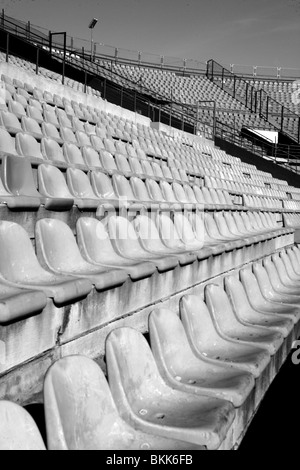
[92, 25]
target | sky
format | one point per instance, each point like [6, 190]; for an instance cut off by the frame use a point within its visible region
[244, 32]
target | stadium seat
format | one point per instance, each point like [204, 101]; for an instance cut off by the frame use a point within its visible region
[18, 180]
[73, 155]
[81, 413]
[18, 430]
[151, 242]
[91, 158]
[146, 402]
[183, 370]
[17, 304]
[206, 338]
[80, 187]
[32, 127]
[126, 243]
[52, 152]
[7, 143]
[27, 146]
[59, 253]
[96, 247]
[10, 122]
[53, 186]
[245, 313]
[20, 267]
[264, 304]
[49, 130]
[219, 306]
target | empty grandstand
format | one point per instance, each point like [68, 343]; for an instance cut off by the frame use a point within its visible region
[149, 258]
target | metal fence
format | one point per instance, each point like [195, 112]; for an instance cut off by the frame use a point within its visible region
[258, 101]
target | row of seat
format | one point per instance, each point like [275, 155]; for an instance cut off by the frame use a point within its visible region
[108, 252]
[182, 393]
[58, 192]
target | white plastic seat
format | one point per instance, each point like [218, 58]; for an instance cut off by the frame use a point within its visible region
[81, 413]
[146, 402]
[219, 306]
[197, 374]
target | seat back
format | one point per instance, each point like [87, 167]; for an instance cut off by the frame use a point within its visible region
[79, 409]
[10, 120]
[17, 256]
[154, 190]
[51, 182]
[197, 321]
[139, 189]
[7, 143]
[169, 342]
[131, 376]
[102, 185]
[51, 150]
[122, 187]
[72, 154]
[57, 245]
[91, 157]
[79, 184]
[97, 142]
[27, 146]
[17, 176]
[18, 431]
[219, 306]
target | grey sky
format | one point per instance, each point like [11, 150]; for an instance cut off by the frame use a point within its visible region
[256, 32]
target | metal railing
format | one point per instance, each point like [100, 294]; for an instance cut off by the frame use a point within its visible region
[138, 98]
[258, 101]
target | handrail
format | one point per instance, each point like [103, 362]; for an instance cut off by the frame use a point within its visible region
[258, 101]
[186, 115]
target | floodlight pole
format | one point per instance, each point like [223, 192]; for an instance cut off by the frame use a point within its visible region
[92, 25]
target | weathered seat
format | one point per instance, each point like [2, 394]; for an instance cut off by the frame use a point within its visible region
[150, 240]
[19, 267]
[245, 313]
[81, 413]
[16, 304]
[96, 247]
[7, 143]
[260, 303]
[52, 151]
[183, 370]
[18, 430]
[206, 338]
[52, 185]
[146, 402]
[27, 146]
[219, 306]
[58, 252]
[73, 155]
[80, 187]
[126, 243]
